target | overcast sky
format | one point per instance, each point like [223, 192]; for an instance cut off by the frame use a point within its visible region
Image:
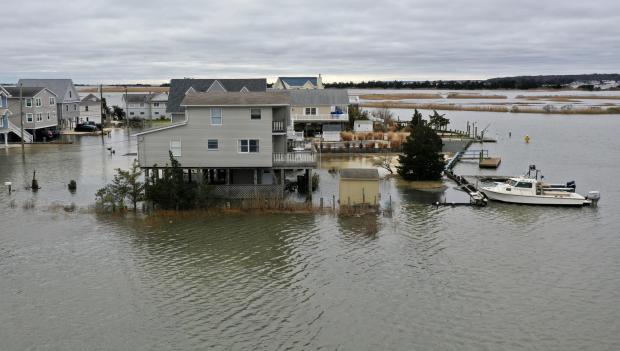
[107, 41]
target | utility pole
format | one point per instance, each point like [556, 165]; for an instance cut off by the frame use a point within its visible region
[101, 114]
[21, 115]
[126, 111]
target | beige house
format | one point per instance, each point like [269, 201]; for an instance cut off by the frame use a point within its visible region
[90, 109]
[359, 186]
[38, 108]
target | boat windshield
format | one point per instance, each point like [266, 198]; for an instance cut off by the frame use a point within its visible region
[511, 182]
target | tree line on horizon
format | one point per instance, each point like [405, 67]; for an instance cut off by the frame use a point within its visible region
[519, 83]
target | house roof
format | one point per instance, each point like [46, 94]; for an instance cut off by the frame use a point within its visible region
[298, 81]
[57, 86]
[27, 92]
[359, 173]
[318, 97]
[138, 98]
[178, 88]
[4, 90]
[90, 99]
[271, 98]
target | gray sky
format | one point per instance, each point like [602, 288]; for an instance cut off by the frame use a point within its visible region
[107, 41]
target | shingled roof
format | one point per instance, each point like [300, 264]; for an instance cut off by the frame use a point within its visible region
[27, 92]
[57, 86]
[319, 97]
[178, 88]
[138, 98]
[298, 81]
[270, 98]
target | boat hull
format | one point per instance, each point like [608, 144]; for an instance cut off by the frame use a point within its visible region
[549, 200]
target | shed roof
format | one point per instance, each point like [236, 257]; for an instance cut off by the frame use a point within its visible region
[178, 88]
[359, 173]
[319, 97]
[237, 99]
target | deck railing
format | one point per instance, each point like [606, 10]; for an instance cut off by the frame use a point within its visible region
[294, 159]
[247, 191]
[322, 117]
[278, 127]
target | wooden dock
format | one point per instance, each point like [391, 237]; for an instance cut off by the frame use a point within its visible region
[490, 162]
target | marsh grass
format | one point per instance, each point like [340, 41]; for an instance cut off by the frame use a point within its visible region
[495, 108]
[399, 96]
[474, 96]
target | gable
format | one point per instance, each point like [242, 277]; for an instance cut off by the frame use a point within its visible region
[244, 90]
[216, 87]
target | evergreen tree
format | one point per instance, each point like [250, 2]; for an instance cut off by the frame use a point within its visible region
[421, 159]
[416, 119]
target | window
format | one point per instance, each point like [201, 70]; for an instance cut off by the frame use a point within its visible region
[175, 148]
[310, 111]
[216, 116]
[141, 113]
[255, 113]
[156, 104]
[248, 146]
[86, 108]
[39, 117]
[70, 94]
[212, 144]
[524, 185]
[52, 101]
[157, 113]
[48, 116]
[131, 113]
[67, 108]
[75, 107]
[38, 102]
[29, 117]
[28, 102]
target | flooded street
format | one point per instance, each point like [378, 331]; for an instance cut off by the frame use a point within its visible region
[463, 278]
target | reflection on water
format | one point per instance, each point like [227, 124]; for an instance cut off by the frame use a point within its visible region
[503, 276]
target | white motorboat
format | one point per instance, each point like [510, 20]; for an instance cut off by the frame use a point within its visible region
[531, 191]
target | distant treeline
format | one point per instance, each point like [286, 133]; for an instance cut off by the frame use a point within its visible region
[521, 82]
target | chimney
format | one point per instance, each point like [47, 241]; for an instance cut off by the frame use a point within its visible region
[319, 82]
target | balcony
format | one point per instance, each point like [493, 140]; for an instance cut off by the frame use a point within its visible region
[332, 117]
[278, 127]
[295, 159]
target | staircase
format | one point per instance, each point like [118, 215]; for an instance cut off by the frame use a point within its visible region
[28, 138]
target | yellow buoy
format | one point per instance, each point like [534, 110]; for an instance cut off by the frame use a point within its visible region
[527, 139]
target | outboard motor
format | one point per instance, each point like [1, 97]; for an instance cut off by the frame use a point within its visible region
[594, 196]
[571, 185]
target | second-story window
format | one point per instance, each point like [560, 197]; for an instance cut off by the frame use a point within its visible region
[255, 113]
[310, 111]
[48, 116]
[248, 146]
[28, 102]
[86, 108]
[52, 101]
[156, 104]
[29, 117]
[38, 102]
[67, 108]
[75, 107]
[216, 116]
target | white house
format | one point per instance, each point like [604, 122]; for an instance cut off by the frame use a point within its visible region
[363, 126]
[90, 109]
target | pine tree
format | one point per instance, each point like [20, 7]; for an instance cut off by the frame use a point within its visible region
[421, 159]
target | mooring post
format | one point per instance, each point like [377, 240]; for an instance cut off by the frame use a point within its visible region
[321, 205]
[333, 202]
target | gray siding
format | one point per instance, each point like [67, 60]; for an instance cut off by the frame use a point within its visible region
[153, 148]
[46, 108]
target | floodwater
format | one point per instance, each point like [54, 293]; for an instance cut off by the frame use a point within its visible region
[501, 277]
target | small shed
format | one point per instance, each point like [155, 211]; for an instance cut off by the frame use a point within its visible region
[359, 186]
[331, 132]
[362, 126]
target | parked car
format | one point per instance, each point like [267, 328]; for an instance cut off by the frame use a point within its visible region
[85, 127]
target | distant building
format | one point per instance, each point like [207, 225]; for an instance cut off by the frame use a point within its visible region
[158, 104]
[290, 83]
[67, 102]
[179, 88]
[359, 186]
[39, 109]
[90, 109]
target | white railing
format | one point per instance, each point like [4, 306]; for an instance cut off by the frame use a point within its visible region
[278, 127]
[306, 158]
[17, 131]
[322, 117]
[292, 134]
